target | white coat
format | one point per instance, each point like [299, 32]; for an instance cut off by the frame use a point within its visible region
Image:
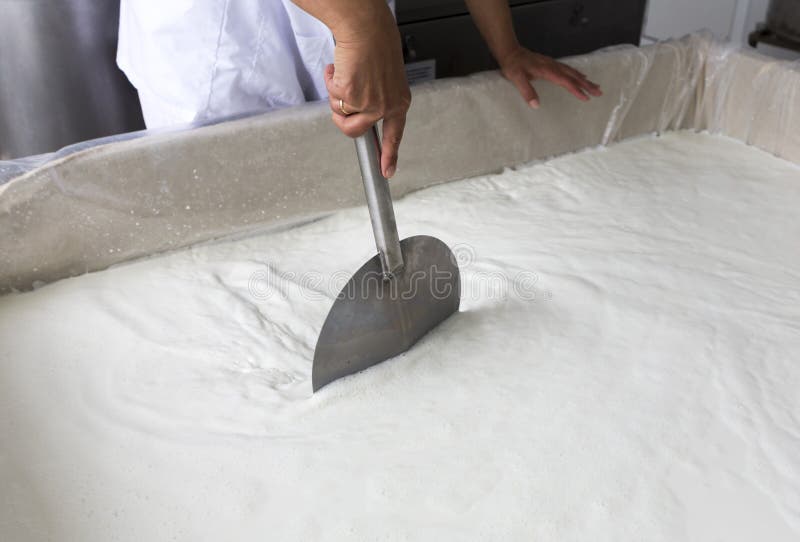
[197, 60]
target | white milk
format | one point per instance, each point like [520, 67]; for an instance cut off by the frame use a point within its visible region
[625, 367]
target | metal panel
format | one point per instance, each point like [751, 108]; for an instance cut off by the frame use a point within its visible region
[409, 11]
[783, 18]
[556, 28]
[60, 83]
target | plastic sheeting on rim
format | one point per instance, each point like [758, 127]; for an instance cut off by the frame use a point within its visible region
[110, 203]
[753, 99]
[10, 169]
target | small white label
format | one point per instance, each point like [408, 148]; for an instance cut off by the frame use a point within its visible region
[420, 71]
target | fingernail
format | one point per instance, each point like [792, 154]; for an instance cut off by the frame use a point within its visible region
[390, 172]
[534, 104]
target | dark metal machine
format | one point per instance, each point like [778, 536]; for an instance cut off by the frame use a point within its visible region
[782, 28]
[783, 18]
[440, 39]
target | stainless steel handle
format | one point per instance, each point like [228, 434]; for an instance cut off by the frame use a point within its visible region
[379, 202]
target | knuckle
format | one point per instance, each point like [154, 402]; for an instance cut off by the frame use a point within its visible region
[348, 94]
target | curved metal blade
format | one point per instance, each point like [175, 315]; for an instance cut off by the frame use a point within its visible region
[374, 319]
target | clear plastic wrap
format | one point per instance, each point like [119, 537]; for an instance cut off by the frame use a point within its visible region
[10, 169]
[100, 203]
[752, 98]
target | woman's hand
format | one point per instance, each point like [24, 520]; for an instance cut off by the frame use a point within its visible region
[521, 66]
[518, 64]
[367, 80]
[366, 83]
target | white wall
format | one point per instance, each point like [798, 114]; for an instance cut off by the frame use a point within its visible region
[727, 19]
[674, 18]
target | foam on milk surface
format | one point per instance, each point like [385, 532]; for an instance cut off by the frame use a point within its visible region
[624, 367]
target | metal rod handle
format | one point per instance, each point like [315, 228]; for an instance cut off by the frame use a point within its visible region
[379, 202]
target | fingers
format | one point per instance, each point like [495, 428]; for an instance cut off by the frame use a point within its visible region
[524, 87]
[572, 71]
[354, 125]
[573, 85]
[334, 92]
[567, 77]
[330, 70]
[581, 80]
[338, 107]
[378, 99]
[341, 108]
[392, 136]
[586, 85]
[358, 124]
[593, 88]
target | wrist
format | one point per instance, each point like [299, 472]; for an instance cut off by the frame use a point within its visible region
[507, 52]
[369, 19]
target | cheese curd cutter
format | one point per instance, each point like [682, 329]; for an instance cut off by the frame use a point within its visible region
[394, 299]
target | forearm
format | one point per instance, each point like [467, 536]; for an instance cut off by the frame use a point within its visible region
[348, 19]
[493, 19]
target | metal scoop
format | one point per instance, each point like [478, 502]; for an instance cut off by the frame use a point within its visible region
[399, 295]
